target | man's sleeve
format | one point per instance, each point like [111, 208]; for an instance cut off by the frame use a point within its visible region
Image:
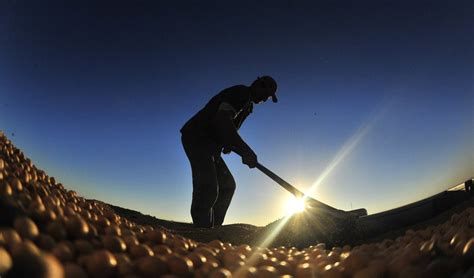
[227, 132]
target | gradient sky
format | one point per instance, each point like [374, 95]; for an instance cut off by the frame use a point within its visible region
[375, 97]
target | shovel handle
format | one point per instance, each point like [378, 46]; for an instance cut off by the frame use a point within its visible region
[310, 201]
[313, 203]
[280, 181]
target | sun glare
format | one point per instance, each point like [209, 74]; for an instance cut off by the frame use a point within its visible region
[294, 205]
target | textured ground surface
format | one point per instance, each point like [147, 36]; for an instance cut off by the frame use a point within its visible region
[293, 234]
[47, 230]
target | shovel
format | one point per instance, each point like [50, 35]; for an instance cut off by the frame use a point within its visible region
[310, 202]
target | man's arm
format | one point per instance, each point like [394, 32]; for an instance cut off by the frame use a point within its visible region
[227, 133]
[238, 121]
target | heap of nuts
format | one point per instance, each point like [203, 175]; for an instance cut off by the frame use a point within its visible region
[48, 231]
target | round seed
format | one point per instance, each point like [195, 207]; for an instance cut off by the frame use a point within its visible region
[114, 243]
[26, 227]
[141, 250]
[101, 263]
[179, 265]
[73, 270]
[151, 266]
[5, 261]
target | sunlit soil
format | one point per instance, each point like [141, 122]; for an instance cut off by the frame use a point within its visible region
[49, 231]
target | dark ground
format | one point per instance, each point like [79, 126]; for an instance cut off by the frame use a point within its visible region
[301, 230]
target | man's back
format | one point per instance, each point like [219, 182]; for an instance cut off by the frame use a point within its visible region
[235, 97]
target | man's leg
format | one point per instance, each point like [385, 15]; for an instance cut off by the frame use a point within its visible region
[226, 191]
[204, 184]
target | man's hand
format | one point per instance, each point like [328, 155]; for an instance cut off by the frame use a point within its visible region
[250, 159]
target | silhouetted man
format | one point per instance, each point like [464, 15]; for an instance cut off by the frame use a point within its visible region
[214, 130]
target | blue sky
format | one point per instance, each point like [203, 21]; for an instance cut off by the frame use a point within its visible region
[374, 96]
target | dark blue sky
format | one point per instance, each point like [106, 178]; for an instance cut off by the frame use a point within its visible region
[375, 97]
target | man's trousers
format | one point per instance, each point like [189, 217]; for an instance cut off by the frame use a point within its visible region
[213, 184]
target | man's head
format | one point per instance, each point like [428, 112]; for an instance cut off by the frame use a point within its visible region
[263, 88]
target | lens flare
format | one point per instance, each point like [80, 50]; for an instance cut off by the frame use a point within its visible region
[294, 205]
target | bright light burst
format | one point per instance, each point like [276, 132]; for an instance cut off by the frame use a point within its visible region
[298, 205]
[350, 144]
[294, 205]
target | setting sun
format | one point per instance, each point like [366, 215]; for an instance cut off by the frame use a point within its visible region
[294, 205]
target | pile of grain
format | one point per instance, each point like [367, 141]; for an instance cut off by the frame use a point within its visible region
[49, 231]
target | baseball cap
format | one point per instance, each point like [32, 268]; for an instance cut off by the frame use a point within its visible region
[270, 83]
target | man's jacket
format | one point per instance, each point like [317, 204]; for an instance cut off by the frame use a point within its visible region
[235, 101]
